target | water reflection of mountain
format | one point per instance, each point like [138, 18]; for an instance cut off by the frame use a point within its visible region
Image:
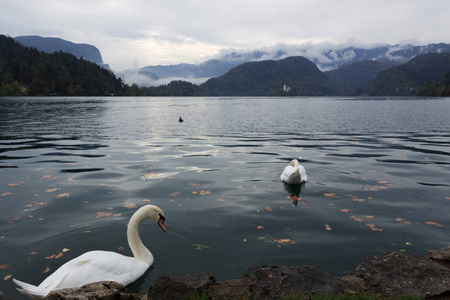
[74, 117]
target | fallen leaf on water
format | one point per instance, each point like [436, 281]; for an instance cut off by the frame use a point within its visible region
[373, 227]
[51, 190]
[65, 250]
[86, 231]
[59, 255]
[117, 215]
[194, 184]
[434, 223]
[329, 195]
[102, 214]
[120, 249]
[408, 243]
[221, 200]
[358, 199]
[131, 205]
[203, 193]
[174, 194]
[50, 257]
[4, 266]
[7, 277]
[285, 241]
[327, 227]
[6, 194]
[15, 184]
[382, 182]
[260, 227]
[346, 210]
[281, 207]
[369, 217]
[293, 198]
[48, 176]
[357, 219]
[269, 208]
[270, 276]
[146, 200]
[33, 253]
[63, 195]
[46, 270]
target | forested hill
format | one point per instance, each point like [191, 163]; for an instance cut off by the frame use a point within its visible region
[290, 76]
[27, 71]
[411, 77]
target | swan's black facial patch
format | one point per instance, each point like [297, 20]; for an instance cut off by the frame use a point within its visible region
[161, 222]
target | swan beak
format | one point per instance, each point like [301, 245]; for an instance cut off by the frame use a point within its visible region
[161, 223]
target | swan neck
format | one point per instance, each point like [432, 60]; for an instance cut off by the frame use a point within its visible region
[138, 248]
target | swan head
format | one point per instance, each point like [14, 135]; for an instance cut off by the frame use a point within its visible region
[294, 163]
[154, 213]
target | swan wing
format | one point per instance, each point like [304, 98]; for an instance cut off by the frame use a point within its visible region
[290, 175]
[95, 266]
[304, 177]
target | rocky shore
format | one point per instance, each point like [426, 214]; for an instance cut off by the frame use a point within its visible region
[387, 274]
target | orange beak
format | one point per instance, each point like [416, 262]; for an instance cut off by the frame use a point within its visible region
[161, 224]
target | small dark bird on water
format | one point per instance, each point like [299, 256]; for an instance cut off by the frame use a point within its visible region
[180, 120]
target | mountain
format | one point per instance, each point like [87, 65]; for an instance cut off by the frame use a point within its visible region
[26, 71]
[408, 78]
[290, 76]
[356, 75]
[51, 45]
[326, 56]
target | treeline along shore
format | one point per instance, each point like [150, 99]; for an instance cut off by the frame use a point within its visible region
[26, 71]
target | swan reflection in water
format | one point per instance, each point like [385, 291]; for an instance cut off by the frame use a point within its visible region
[294, 191]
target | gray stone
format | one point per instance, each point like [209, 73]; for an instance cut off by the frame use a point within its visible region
[231, 289]
[395, 274]
[103, 290]
[442, 256]
[274, 282]
[178, 286]
[353, 284]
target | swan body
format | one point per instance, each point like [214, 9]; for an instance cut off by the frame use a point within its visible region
[96, 266]
[294, 173]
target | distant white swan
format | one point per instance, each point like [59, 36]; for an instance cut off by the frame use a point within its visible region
[294, 173]
[96, 266]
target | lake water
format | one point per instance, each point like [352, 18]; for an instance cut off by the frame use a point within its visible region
[72, 170]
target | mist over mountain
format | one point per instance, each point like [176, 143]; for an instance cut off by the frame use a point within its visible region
[51, 45]
[326, 56]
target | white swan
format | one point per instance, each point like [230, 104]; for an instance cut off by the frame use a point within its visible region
[96, 266]
[294, 173]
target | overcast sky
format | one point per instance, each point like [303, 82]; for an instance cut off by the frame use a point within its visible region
[137, 33]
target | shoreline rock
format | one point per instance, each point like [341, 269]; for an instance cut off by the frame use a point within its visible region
[387, 274]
